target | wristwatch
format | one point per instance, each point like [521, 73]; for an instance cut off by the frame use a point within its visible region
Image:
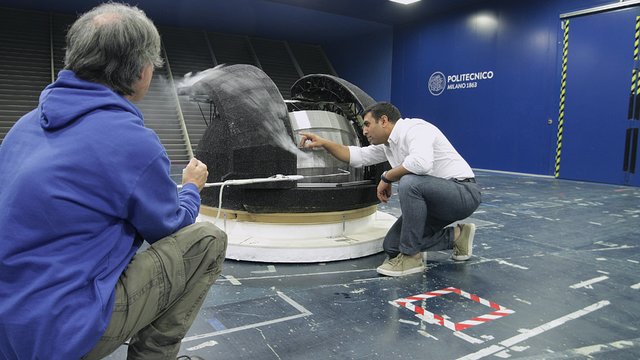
[384, 178]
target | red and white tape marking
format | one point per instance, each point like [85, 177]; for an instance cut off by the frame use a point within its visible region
[500, 311]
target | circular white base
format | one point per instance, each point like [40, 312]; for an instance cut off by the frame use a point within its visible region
[304, 243]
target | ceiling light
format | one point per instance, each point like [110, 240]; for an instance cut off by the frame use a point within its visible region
[405, 2]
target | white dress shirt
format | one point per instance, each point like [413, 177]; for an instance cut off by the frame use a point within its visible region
[418, 146]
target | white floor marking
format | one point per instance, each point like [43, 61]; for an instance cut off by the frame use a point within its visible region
[615, 248]
[467, 338]
[589, 351]
[298, 275]
[426, 334]
[303, 313]
[594, 349]
[587, 284]
[232, 280]
[268, 345]
[203, 345]
[291, 302]
[636, 286]
[515, 173]
[377, 278]
[505, 344]
[523, 301]
[594, 223]
[633, 261]
[504, 262]
[409, 322]
[499, 261]
[270, 269]
[607, 244]
[509, 214]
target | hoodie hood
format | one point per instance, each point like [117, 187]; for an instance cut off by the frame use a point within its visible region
[70, 98]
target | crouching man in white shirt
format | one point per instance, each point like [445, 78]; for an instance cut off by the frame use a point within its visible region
[436, 186]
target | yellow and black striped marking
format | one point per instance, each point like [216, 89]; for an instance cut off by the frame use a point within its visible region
[563, 88]
[634, 99]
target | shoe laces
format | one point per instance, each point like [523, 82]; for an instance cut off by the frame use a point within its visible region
[396, 260]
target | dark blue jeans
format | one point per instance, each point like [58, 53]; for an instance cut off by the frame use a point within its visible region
[429, 204]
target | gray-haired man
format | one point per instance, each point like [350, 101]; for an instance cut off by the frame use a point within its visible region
[82, 183]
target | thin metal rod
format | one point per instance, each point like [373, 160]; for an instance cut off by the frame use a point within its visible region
[294, 61]
[213, 55]
[183, 125]
[53, 68]
[252, 51]
[204, 118]
[274, 178]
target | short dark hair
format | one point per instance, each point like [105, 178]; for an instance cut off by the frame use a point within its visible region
[383, 108]
[114, 51]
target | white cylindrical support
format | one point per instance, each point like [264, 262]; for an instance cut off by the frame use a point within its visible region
[304, 243]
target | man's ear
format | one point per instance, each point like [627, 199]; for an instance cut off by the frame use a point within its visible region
[384, 120]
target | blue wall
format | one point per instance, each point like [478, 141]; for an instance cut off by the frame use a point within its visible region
[365, 61]
[502, 123]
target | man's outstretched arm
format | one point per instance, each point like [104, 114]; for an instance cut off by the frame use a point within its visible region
[340, 152]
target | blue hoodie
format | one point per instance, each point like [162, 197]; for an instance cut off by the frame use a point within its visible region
[82, 182]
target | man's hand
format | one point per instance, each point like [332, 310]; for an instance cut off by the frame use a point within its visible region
[195, 173]
[384, 191]
[339, 151]
[311, 141]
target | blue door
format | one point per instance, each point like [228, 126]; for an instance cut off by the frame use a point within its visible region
[598, 136]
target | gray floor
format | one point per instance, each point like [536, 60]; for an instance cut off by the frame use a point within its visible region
[556, 273]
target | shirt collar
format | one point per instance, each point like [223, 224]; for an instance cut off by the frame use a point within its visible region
[394, 137]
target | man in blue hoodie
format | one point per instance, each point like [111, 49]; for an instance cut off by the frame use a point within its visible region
[82, 184]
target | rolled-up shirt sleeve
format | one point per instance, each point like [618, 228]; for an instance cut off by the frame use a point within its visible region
[420, 148]
[365, 156]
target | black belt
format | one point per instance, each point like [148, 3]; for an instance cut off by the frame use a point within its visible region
[472, 180]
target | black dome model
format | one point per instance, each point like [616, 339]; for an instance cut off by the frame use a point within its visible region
[253, 134]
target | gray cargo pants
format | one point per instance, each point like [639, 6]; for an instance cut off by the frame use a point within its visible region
[159, 294]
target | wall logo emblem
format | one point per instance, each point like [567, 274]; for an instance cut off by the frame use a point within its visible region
[437, 83]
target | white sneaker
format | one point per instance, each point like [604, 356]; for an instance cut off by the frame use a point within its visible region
[463, 247]
[401, 265]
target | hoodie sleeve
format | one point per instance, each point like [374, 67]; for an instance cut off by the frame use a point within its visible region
[155, 207]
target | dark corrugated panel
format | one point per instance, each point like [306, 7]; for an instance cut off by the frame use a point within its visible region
[311, 59]
[231, 49]
[276, 62]
[25, 65]
[60, 25]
